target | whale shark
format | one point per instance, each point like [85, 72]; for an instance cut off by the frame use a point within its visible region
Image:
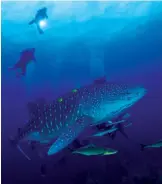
[60, 122]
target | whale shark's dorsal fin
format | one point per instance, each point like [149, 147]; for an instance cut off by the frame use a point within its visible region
[32, 108]
[40, 100]
[101, 80]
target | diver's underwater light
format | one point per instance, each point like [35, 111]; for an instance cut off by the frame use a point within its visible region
[42, 23]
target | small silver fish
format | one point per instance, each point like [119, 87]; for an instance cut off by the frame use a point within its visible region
[104, 132]
[111, 128]
[92, 150]
[158, 144]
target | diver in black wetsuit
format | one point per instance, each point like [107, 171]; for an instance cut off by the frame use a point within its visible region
[40, 15]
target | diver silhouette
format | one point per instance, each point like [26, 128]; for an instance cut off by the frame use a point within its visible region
[26, 57]
[41, 15]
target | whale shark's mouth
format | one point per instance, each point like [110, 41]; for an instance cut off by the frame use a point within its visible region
[122, 108]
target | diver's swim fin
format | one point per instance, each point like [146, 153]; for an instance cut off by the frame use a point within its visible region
[32, 22]
[39, 29]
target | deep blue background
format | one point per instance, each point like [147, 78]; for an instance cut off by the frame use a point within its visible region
[79, 45]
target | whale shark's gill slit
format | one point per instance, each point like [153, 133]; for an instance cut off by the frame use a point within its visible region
[26, 156]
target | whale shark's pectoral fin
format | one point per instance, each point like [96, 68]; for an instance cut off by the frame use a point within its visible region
[69, 134]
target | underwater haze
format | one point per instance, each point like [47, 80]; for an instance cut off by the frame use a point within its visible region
[83, 41]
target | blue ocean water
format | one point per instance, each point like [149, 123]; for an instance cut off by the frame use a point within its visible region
[83, 41]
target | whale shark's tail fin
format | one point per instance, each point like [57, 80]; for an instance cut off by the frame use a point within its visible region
[14, 143]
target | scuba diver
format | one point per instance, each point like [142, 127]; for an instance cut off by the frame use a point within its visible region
[40, 16]
[26, 57]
